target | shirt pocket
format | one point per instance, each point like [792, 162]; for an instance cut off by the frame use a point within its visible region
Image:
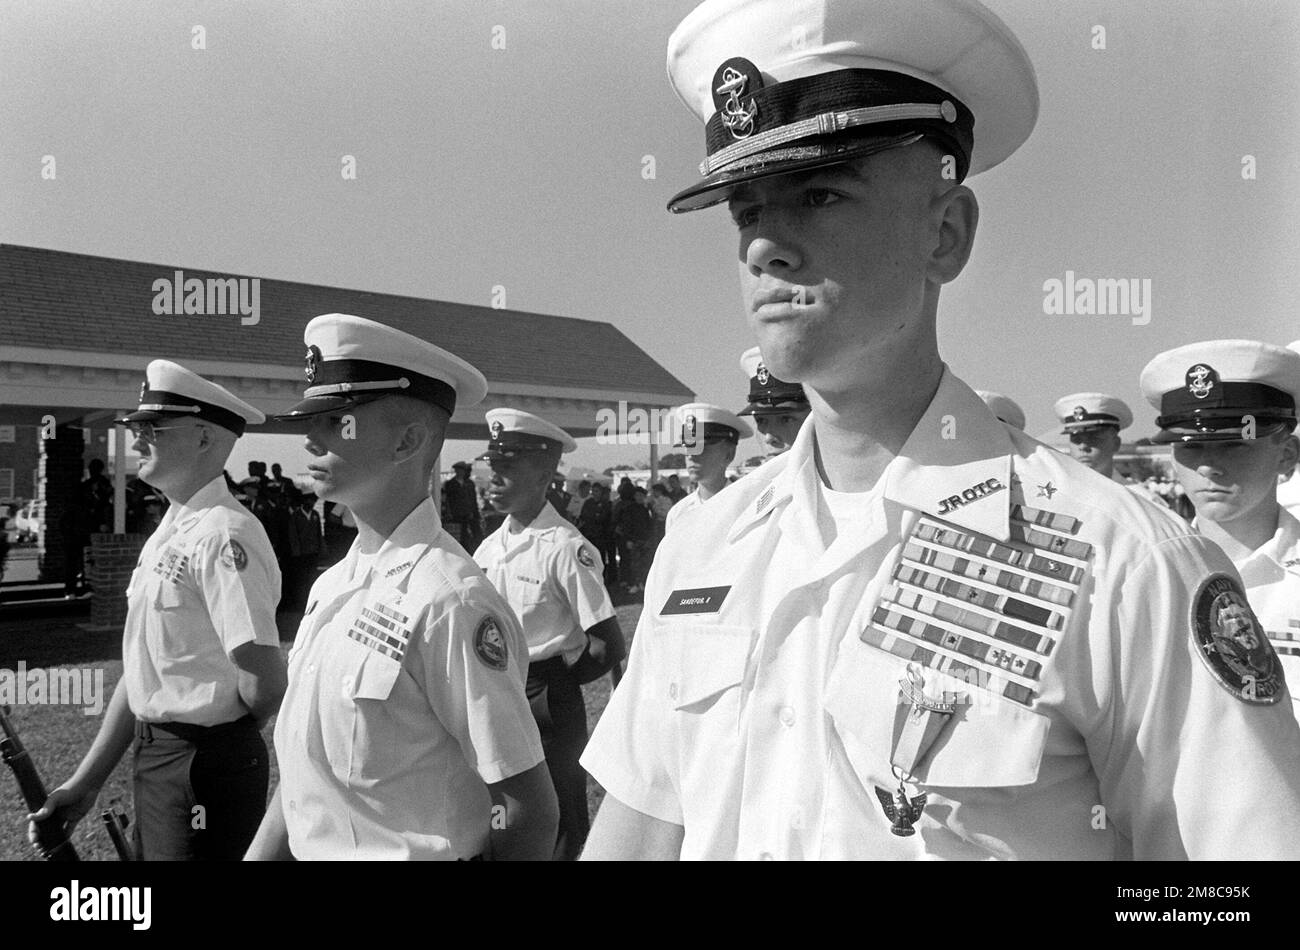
[990, 742]
[360, 735]
[374, 680]
[531, 595]
[710, 660]
[168, 596]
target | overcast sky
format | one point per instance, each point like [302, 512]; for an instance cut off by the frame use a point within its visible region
[523, 167]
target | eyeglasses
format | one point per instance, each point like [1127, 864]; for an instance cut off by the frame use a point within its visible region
[148, 431]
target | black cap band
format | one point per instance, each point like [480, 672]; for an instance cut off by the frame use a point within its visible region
[158, 401]
[713, 432]
[512, 444]
[361, 378]
[1225, 401]
[783, 104]
[774, 391]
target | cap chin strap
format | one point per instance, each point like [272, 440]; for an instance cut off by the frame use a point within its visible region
[333, 389]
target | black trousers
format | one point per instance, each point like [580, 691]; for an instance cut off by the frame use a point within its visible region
[561, 717]
[200, 792]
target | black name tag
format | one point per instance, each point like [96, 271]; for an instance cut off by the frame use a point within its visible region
[700, 600]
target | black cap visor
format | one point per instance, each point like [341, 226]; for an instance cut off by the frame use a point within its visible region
[1222, 429]
[318, 405]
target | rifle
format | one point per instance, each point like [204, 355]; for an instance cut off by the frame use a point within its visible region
[52, 840]
[116, 822]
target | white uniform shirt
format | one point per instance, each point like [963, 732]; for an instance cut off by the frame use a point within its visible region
[406, 695]
[206, 582]
[1271, 574]
[760, 701]
[689, 503]
[552, 578]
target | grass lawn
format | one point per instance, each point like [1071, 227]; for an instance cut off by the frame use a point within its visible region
[57, 737]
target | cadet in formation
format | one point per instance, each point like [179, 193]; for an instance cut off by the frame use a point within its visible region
[552, 578]
[709, 434]
[918, 633]
[779, 408]
[1228, 407]
[1093, 421]
[202, 670]
[405, 732]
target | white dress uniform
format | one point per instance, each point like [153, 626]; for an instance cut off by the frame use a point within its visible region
[206, 582]
[689, 503]
[1205, 393]
[551, 577]
[384, 740]
[406, 681]
[1271, 574]
[1076, 633]
[699, 423]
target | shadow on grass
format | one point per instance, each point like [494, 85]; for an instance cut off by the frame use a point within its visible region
[56, 642]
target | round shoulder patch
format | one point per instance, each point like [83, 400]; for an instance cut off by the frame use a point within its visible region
[1230, 641]
[584, 556]
[490, 644]
[233, 556]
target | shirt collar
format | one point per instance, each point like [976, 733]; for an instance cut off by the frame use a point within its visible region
[958, 450]
[408, 543]
[187, 514]
[1283, 549]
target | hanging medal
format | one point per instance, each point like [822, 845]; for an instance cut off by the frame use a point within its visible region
[917, 725]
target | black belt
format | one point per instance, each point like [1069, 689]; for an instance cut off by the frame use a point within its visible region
[190, 732]
[549, 668]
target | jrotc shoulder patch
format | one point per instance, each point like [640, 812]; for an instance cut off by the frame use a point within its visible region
[233, 556]
[584, 556]
[490, 644]
[1231, 643]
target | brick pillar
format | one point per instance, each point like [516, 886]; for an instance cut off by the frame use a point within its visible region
[59, 475]
[109, 565]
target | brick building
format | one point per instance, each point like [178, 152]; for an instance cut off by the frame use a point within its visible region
[20, 453]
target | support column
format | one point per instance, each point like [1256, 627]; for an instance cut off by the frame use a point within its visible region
[59, 484]
[119, 480]
[654, 458]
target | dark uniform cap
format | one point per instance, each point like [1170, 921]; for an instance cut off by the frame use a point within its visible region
[1203, 391]
[170, 390]
[769, 396]
[793, 85]
[352, 360]
[1080, 412]
[513, 432]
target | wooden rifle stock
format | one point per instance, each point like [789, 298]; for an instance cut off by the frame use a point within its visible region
[51, 836]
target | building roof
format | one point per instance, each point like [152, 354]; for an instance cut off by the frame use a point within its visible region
[104, 305]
